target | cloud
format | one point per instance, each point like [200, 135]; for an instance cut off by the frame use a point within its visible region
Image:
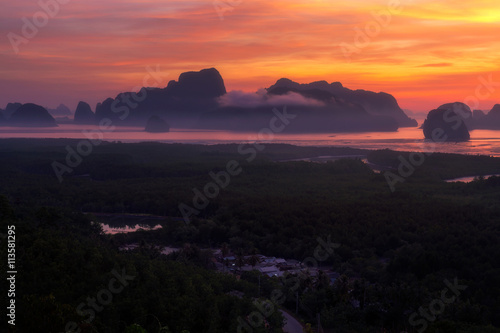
[441, 64]
[94, 49]
[261, 98]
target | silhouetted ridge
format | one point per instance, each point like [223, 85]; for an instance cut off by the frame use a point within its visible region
[207, 83]
[61, 111]
[317, 94]
[156, 124]
[306, 120]
[84, 114]
[476, 119]
[462, 110]
[11, 108]
[495, 111]
[490, 120]
[445, 125]
[317, 110]
[478, 114]
[32, 115]
[374, 103]
[199, 99]
[181, 102]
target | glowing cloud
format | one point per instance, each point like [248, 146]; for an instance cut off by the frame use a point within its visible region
[260, 98]
[94, 49]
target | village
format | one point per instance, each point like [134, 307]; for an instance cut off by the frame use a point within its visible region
[269, 266]
[225, 261]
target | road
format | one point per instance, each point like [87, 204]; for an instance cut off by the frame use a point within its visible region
[292, 325]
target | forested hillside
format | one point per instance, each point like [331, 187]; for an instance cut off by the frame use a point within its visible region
[398, 250]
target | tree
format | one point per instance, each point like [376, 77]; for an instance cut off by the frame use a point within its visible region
[307, 328]
[240, 259]
[254, 258]
[134, 328]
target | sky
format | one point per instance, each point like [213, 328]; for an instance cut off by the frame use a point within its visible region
[425, 53]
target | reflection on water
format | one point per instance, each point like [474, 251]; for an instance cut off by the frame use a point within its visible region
[163, 249]
[126, 229]
[485, 142]
[468, 179]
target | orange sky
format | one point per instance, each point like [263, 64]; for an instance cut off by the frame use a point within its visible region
[425, 53]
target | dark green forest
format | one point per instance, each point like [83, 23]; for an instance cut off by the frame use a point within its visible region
[398, 249]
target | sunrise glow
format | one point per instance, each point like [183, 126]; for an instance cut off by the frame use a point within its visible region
[424, 53]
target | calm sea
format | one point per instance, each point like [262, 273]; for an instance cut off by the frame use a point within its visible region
[485, 142]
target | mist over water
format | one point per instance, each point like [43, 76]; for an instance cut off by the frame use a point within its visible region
[483, 142]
